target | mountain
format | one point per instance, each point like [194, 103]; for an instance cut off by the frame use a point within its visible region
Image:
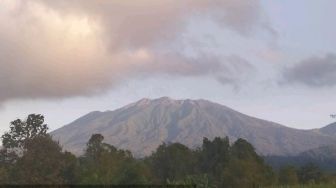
[329, 129]
[142, 126]
[324, 157]
[321, 153]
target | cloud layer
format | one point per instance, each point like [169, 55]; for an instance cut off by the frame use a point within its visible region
[313, 72]
[82, 47]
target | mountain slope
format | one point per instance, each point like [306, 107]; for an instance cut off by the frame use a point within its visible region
[321, 153]
[324, 157]
[329, 129]
[142, 126]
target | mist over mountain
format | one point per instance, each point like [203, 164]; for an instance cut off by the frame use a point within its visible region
[142, 126]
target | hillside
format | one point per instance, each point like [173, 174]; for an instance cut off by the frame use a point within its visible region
[329, 129]
[142, 126]
[324, 157]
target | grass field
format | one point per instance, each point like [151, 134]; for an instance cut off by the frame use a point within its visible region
[308, 186]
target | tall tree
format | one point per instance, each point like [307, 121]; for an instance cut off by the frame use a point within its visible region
[246, 168]
[173, 162]
[43, 162]
[135, 172]
[95, 146]
[22, 131]
[30, 156]
[102, 163]
[214, 156]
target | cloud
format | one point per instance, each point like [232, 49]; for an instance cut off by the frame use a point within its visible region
[55, 49]
[313, 72]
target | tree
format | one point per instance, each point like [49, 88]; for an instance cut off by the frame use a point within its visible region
[173, 162]
[310, 173]
[246, 168]
[70, 172]
[14, 141]
[30, 156]
[288, 176]
[95, 146]
[4, 176]
[43, 162]
[241, 149]
[22, 131]
[214, 156]
[135, 172]
[102, 163]
[7, 160]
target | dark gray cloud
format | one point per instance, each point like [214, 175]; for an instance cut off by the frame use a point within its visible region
[313, 72]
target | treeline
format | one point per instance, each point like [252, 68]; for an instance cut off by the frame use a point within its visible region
[327, 164]
[306, 174]
[30, 156]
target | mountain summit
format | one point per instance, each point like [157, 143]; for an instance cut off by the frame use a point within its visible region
[142, 126]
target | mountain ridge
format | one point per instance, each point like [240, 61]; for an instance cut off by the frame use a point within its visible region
[329, 129]
[143, 125]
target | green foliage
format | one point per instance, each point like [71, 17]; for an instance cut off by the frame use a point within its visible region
[95, 146]
[174, 161]
[43, 162]
[102, 163]
[214, 156]
[201, 181]
[236, 165]
[310, 174]
[7, 157]
[135, 172]
[288, 176]
[31, 156]
[4, 176]
[70, 168]
[243, 150]
[326, 185]
[245, 168]
[22, 131]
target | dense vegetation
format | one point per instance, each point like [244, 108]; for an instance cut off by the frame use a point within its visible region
[327, 164]
[30, 156]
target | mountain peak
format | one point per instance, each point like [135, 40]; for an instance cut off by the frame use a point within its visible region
[164, 99]
[142, 126]
[148, 101]
[168, 100]
[143, 101]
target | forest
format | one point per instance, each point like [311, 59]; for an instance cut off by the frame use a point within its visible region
[29, 156]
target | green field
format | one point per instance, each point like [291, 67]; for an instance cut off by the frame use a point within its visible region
[308, 186]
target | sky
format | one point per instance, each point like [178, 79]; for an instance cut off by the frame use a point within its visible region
[274, 60]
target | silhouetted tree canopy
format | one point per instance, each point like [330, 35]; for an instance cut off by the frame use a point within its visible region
[43, 162]
[22, 131]
[173, 161]
[214, 156]
[102, 163]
